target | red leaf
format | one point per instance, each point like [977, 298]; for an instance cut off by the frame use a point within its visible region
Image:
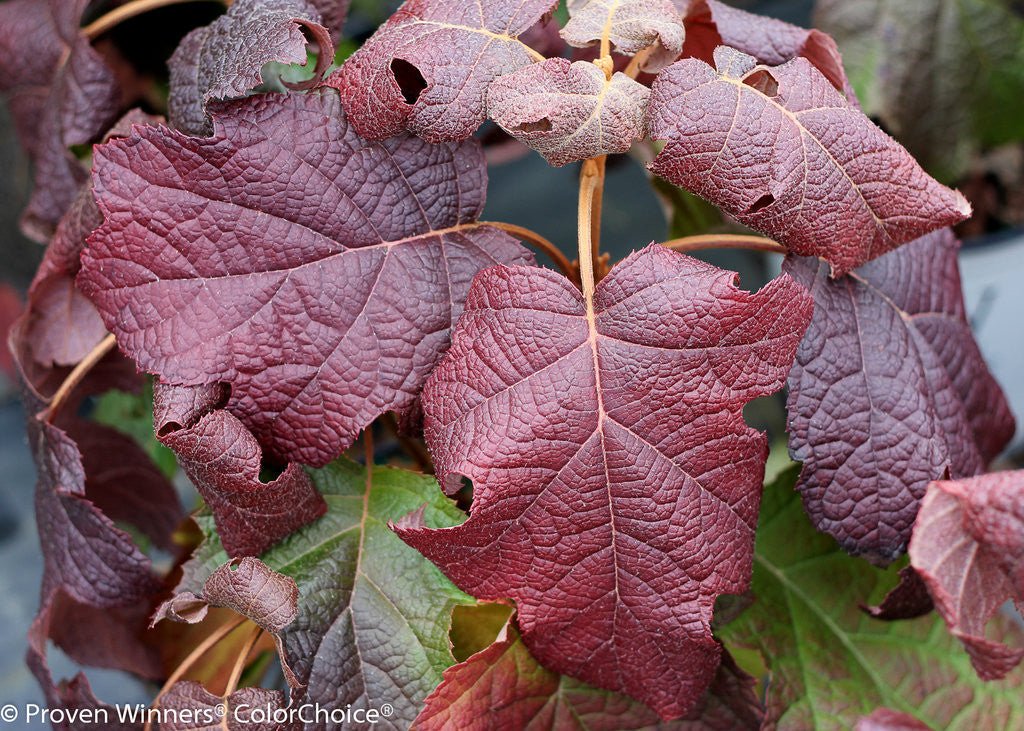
[507, 688]
[222, 458]
[710, 24]
[889, 391]
[315, 272]
[909, 600]
[785, 153]
[60, 92]
[968, 546]
[223, 59]
[630, 26]
[428, 67]
[569, 111]
[615, 484]
[885, 719]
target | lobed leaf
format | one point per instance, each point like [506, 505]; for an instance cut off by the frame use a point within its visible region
[615, 483]
[60, 93]
[710, 24]
[630, 26]
[373, 615]
[315, 272]
[428, 67]
[829, 662]
[889, 391]
[503, 686]
[968, 546]
[223, 60]
[785, 153]
[569, 111]
[223, 459]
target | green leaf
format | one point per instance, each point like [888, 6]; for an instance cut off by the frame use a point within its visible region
[374, 614]
[830, 662]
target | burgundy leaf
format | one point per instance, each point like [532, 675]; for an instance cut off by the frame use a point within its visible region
[615, 484]
[909, 600]
[968, 546]
[505, 685]
[193, 708]
[710, 24]
[569, 111]
[223, 60]
[124, 482]
[317, 273]
[886, 719]
[889, 391]
[60, 93]
[630, 26]
[245, 585]
[428, 67]
[223, 459]
[785, 153]
[332, 13]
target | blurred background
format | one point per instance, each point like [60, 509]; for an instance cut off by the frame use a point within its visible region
[951, 91]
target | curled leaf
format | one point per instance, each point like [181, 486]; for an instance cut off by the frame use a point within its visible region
[223, 458]
[785, 153]
[968, 546]
[612, 470]
[223, 60]
[630, 26]
[314, 271]
[428, 67]
[888, 392]
[569, 111]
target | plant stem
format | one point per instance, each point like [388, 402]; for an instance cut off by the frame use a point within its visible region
[75, 377]
[720, 241]
[201, 649]
[412, 447]
[239, 666]
[632, 70]
[595, 220]
[118, 15]
[541, 243]
[588, 184]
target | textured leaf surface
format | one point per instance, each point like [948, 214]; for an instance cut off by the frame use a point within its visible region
[831, 663]
[428, 67]
[886, 719]
[191, 707]
[373, 615]
[223, 59]
[60, 92]
[942, 75]
[315, 272]
[569, 111]
[223, 458]
[615, 483]
[785, 153]
[503, 686]
[968, 546]
[889, 391]
[630, 26]
[710, 24]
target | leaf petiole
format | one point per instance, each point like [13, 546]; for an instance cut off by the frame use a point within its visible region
[689, 244]
[75, 377]
[120, 14]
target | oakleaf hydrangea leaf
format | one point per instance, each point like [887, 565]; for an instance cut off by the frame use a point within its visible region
[223, 60]
[710, 24]
[368, 604]
[315, 272]
[223, 459]
[428, 67]
[60, 92]
[188, 706]
[569, 111]
[886, 719]
[889, 391]
[507, 687]
[630, 26]
[944, 76]
[615, 483]
[829, 662]
[968, 546]
[785, 153]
